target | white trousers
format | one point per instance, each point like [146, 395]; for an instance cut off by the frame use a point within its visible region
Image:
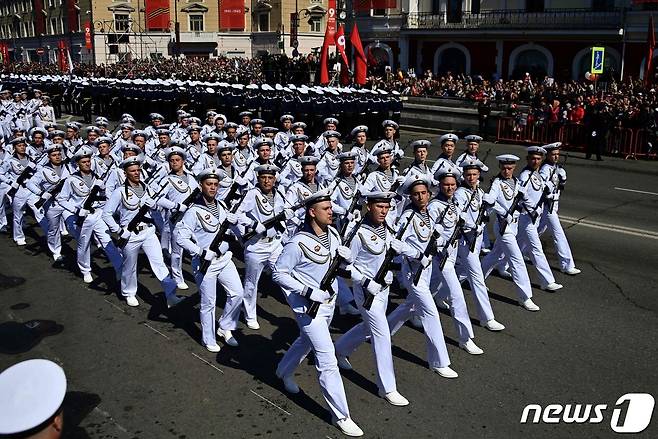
[506, 249]
[22, 198]
[529, 243]
[375, 326]
[314, 335]
[3, 204]
[222, 271]
[147, 241]
[54, 233]
[470, 263]
[420, 301]
[551, 222]
[447, 286]
[255, 263]
[94, 226]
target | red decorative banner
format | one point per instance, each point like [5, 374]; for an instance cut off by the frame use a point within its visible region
[331, 22]
[231, 14]
[4, 54]
[88, 35]
[61, 56]
[384, 4]
[157, 14]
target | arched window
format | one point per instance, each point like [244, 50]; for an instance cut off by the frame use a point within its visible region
[452, 57]
[530, 58]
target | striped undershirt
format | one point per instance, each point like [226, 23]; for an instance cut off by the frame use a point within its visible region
[351, 182]
[213, 208]
[381, 231]
[324, 239]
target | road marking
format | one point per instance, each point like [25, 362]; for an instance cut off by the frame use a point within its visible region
[208, 363]
[611, 227]
[120, 309]
[636, 191]
[110, 418]
[271, 403]
[155, 330]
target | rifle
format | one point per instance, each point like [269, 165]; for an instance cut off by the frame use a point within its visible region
[141, 214]
[513, 207]
[25, 175]
[353, 205]
[384, 268]
[430, 249]
[219, 237]
[186, 202]
[53, 191]
[332, 272]
[92, 197]
[459, 228]
[234, 188]
[272, 222]
[480, 218]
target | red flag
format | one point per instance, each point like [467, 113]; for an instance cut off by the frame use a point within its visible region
[324, 59]
[340, 44]
[648, 63]
[360, 62]
[362, 5]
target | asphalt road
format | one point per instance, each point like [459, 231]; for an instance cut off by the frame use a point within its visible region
[142, 372]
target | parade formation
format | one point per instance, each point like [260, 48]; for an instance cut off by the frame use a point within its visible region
[333, 211]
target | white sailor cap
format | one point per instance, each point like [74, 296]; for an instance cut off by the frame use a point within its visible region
[505, 159]
[266, 169]
[73, 125]
[330, 120]
[53, 147]
[379, 196]
[245, 113]
[82, 152]
[129, 120]
[318, 197]
[242, 131]
[552, 146]
[384, 148]
[359, 129]
[17, 129]
[390, 123]
[448, 137]
[347, 155]
[278, 87]
[267, 130]
[225, 146]
[17, 140]
[139, 133]
[221, 116]
[263, 141]
[301, 125]
[103, 139]
[416, 144]
[163, 132]
[31, 392]
[93, 128]
[266, 87]
[233, 125]
[193, 128]
[257, 121]
[298, 138]
[210, 113]
[131, 147]
[38, 130]
[212, 136]
[101, 121]
[131, 161]
[536, 150]
[440, 174]
[308, 160]
[471, 163]
[154, 116]
[473, 138]
[289, 117]
[176, 150]
[331, 133]
[56, 133]
[252, 86]
[211, 173]
[414, 180]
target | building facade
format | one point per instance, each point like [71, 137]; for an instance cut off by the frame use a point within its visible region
[508, 38]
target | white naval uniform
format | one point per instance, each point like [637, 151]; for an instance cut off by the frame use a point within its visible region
[72, 198]
[380, 181]
[444, 281]
[369, 248]
[555, 175]
[126, 203]
[303, 263]
[470, 261]
[445, 164]
[5, 183]
[363, 158]
[12, 169]
[43, 180]
[296, 194]
[502, 194]
[419, 299]
[341, 200]
[528, 237]
[328, 167]
[290, 173]
[195, 232]
[263, 249]
[241, 158]
[178, 189]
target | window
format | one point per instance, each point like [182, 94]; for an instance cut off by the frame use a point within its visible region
[315, 23]
[196, 23]
[534, 5]
[475, 6]
[378, 12]
[121, 22]
[264, 21]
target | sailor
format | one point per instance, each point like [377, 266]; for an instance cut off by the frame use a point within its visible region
[363, 158]
[472, 148]
[390, 132]
[245, 118]
[330, 124]
[555, 177]
[210, 157]
[291, 169]
[242, 154]
[471, 199]
[444, 162]
[369, 246]
[505, 189]
[385, 177]
[281, 139]
[31, 400]
[263, 148]
[419, 228]
[329, 163]
[126, 203]
[303, 188]
[419, 165]
[83, 194]
[261, 203]
[298, 271]
[528, 237]
[196, 232]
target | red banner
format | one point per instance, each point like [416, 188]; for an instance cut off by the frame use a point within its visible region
[72, 14]
[362, 5]
[4, 54]
[157, 14]
[366, 5]
[88, 35]
[231, 14]
[331, 22]
[62, 60]
[39, 18]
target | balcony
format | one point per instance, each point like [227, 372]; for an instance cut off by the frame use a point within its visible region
[516, 19]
